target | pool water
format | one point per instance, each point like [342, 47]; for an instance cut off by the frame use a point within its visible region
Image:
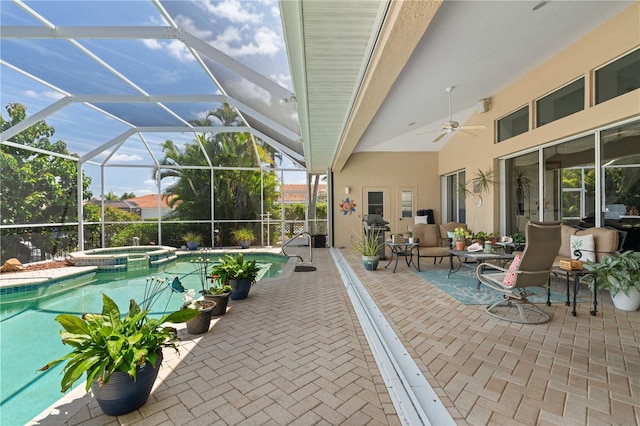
[29, 334]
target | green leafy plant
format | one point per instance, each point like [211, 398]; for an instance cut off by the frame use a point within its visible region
[481, 235]
[518, 237]
[243, 234]
[461, 234]
[367, 244]
[192, 237]
[105, 343]
[618, 273]
[235, 267]
[218, 285]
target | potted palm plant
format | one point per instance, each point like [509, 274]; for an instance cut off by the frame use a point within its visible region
[243, 236]
[119, 356]
[620, 274]
[240, 274]
[369, 246]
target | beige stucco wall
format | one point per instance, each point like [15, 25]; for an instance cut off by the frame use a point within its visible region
[390, 172]
[393, 171]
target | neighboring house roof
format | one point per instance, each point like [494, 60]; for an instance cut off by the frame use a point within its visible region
[149, 201]
[296, 192]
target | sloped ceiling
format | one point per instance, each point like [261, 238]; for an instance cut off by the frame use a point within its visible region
[371, 75]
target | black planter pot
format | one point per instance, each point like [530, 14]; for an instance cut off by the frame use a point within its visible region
[221, 300]
[122, 395]
[239, 288]
[200, 324]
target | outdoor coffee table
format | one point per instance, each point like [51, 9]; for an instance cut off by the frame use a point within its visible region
[405, 250]
[473, 258]
[577, 274]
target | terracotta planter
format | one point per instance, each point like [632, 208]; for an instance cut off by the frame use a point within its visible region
[460, 245]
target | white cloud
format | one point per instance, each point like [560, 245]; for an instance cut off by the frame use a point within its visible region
[175, 48]
[120, 158]
[49, 94]
[275, 11]
[265, 42]
[189, 26]
[141, 192]
[231, 10]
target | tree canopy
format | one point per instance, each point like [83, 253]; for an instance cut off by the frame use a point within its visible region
[237, 192]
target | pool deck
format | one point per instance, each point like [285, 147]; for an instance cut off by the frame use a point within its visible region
[294, 352]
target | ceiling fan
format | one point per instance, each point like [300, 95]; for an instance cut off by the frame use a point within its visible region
[453, 126]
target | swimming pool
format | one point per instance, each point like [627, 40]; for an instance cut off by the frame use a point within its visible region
[29, 335]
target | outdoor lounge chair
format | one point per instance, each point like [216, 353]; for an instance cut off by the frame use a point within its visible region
[532, 269]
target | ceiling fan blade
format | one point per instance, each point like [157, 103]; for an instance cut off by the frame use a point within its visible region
[474, 127]
[440, 136]
[428, 131]
[464, 132]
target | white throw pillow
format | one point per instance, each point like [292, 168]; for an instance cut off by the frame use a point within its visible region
[585, 244]
[420, 219]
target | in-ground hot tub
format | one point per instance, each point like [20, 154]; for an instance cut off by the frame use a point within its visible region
[118, 259]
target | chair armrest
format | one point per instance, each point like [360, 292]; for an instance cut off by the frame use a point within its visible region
[481, 267]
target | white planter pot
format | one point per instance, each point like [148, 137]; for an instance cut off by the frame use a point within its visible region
[410, 240]
[627, 303]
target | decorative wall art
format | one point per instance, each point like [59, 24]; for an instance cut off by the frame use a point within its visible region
[347, 206]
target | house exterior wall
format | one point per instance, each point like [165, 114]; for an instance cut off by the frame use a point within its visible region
[423, 170]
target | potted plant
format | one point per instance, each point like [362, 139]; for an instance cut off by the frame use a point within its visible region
[218, 292]
[460, 235]
[410, 237]
[620, 274]
[243, 236]
[120, 356]
[369, 246]
[238, 272]
[481, 237]
[201, 322]
[192, 239]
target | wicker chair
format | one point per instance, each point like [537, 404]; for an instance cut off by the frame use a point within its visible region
[530, 270]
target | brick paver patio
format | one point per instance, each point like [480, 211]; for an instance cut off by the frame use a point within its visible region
[294, 353]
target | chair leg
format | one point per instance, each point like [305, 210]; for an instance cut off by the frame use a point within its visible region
[524, 312]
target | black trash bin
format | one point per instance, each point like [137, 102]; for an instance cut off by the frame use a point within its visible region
[319, 241]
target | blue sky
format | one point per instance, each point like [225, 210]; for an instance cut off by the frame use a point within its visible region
[248, 31]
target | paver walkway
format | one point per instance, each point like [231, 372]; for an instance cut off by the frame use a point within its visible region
[294, 353]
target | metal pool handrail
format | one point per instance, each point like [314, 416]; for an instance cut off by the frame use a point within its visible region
[300, 234]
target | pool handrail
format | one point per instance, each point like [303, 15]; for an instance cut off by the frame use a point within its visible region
[300, 234]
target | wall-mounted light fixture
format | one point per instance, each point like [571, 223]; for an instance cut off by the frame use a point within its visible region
[347, 190]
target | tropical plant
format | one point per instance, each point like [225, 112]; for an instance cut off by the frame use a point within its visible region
[240, 194]
[192, 237]
[367, 244]
[618, 273]
[481, 235]
[243, 234]
[235, 267]
[518, 237]
[105, 343]
[461, 234]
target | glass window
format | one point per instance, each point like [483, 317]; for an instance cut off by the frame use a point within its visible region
[621, 180]
[522, 191]
[513, 124]
[406, 202]
[454, 198]
[618, 77]
[569, 181]
[375, 202]
[561, 103]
